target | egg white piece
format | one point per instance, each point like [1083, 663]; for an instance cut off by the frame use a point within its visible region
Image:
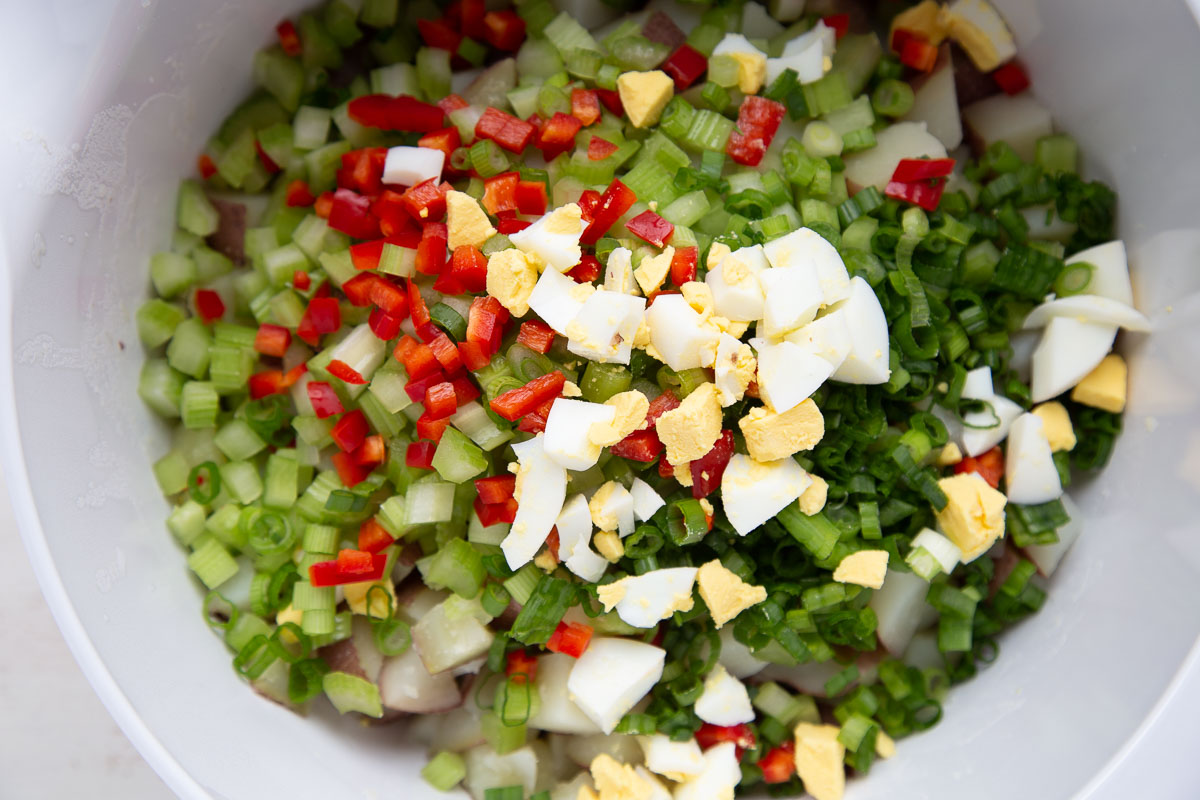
[566, 437]
[652, 597]
[752, 492]
[867, 361]
[944, 551]
[724, 374]
[408, 166]
[646, 501]
[618, 272]
[671, 758]
[1111, 276]
[737, 657]
[604, 328]
[804, 246]
[791, 297]
[677, 333]
[788, 374]
[742, 300]
[555, 712]
[618, 503]
[827, 336]
[820, 33]
[554, 300]
[611, 676]
[735, 43]
[1030, 476]
[487, 768]
[544, 489]
[808, 63]
[724, 700]
[1048, 556]
[897, 608]
[982, 430]
[978, 385]
[720, 775]
[560, 251]
[574, 540]
[1068, 351]
[1088, 308]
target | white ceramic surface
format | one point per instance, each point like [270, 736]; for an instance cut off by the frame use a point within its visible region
[110, 100]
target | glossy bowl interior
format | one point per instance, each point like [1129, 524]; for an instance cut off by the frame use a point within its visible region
[111, 101]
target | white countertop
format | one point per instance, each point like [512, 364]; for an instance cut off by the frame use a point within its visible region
[57, 741]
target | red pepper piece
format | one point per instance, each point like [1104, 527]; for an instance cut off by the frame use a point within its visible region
[430, 428]
[587, 270]
[358, 289]
[741, 735]
[779, 764]
[989, 466]
[651, 227]
[451, 102]
[402, 113]
[758, 120]
[660, 405]
[616, 200]
[324, 205]
[600, 149]
[485, 323]
[640, 446]
[1011, 77]
[373, 537]
[350, 473]
[499, 192]
[262, 384]
[383, 325]
[272, 340]
[472, 12]
[289, 40]
[464, 390]
[417, 358]
[589, 201]
[362, 170]
[418, 387]
[570, 638]
[503, 30]
[508, 225]
[349, 431]
[557, 134]
[925, 194]
[346, 373]
[371, 452]
[536, 335]
[921, 169]
[446, 353]
[839, 22]
[439, 34]
[209, 305]
[496, 513]
[325, 313]
[467, 272]
[388, 297]
[351, 214]
[324, 399]
[611, 100]
[530, 197]
[265, 159]
[365, 255]
[205, 166]
[685, 66]
[495, 489]
[708, 469]
[299, 195]
[431, 252]
[426, 201]
[683, 265]
[509, 132]
[516, 403]
[418, 309]
[917, 53]
[473, 356]
[440, 400]
[351, 566]
[390, 209]
[521, 666]
[585, 106]
[447, 140]
[420, 454]
[301, 280]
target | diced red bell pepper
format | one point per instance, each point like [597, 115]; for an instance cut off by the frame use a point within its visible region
[446, 139]
[495, 489]
[839, 22]
[349, 431]
[289, 39]
[516, 403]
[552, 544]
[373, 537]
[451, 102]
[265, 159]
[358, 289]
[917, 53]
[322, 316]
[708, 469]
[301, 280]
[209, 305]
[438, 33]
[417, 358]
[350, 566]
[298, 194]
[420, 454]
[758, 120]
[510, 225]
[402, 113]
[371, 452]
[557, 134]
[323, 206]
[362, 170]
[388, 297]
[711, 735]
[685, 66]
[616, 200]
[641, 446]
[536, 335]
[431, 252]
[418, 387]
[324, 399]
[600, 149]
[926, 194]
[440, 400]
[665, 470]
[496, 513]
[779, 764]
[587, 270]
[426, 201]
[417, 307]
[467, 272]
[1011, 77]
[499, 192]
[351, 214]
[205, 166]
[473, 356]
[346, 373]
[365, 255]
[446, 353]
[511, 133]
[570, 638]
[660, 405]
[503, 30]
[272, 340]
[533, 422]
[989, 466]
[611, 100]
[383, 325]
[530, 197]
[265, 383]
[683, 265]
[585, 106]
[391, 210]
[589, 201]
[521, 667]
[922, 169]
[652, 228]
[430, 428]
[464, 390]
[485, 323]
[350, 472]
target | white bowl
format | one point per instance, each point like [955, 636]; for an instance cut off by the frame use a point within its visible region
[111, 100]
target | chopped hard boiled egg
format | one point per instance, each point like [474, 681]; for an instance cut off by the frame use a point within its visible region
[980, 30]
[867, 361]
[771, 436]
[408, 166]
[653, 270]
[612, 509]
[985, 428]
[1030, 476]
[804, 246]
[690, 430]
[737, 293]
[724, 700]
[791, 297]
[554, 238]
[617, 781]
[974, 514]
[753, 492]
[611, 676]
[814, 497]
[734, 369]
[752, 62]
[574, 540]
[544, 488]
[646, 501]
[819, 760]
[511, 278]
[718, 779]
[1068, 351]
[788, 374]
[644, 95]
[674, 760]
[1110, 271]
[618, 272]
[605, 326]
[566, 437]
[1056, 425]
[864, 568]
[940, 548]
[630, 415]
[678, 334]
[645, 600]
[827, 336]
[725, 594]
[1088, 308]
[1105, 387]
[926, 19]
[555, 712]
[556, 299]
[466, 223]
